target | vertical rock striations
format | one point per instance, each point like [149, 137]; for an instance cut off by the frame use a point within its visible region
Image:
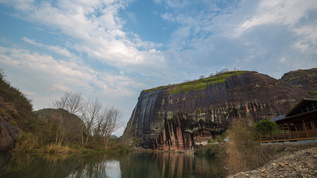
[180, 116]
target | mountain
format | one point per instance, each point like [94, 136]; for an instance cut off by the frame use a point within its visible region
[181, 116]
[306, 79]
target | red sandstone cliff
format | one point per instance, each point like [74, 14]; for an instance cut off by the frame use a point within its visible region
[180, 116]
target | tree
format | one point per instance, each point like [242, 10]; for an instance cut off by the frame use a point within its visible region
[71, 102]
[110, 121]
[90, 114]
[266, 128]
[100, 122]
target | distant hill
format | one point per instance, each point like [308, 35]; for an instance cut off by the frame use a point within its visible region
[306, 79]
[60, 121]
[184, 115]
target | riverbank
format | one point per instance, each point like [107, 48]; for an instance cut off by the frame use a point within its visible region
[292, 162]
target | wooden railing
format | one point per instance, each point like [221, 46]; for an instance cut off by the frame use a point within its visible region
[299, 135]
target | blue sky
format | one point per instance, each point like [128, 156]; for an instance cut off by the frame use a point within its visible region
[113, 49]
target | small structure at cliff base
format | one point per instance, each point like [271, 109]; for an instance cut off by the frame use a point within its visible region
[299, 125]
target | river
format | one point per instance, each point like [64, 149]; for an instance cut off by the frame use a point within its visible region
[138, 164]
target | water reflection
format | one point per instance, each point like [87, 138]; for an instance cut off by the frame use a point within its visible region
[166, 164]
[137, 164]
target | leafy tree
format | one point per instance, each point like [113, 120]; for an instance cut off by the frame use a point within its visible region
[266, 128]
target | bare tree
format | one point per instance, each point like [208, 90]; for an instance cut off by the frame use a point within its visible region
[71, 102]
[111, 121]
[90, 114]
[100, 122]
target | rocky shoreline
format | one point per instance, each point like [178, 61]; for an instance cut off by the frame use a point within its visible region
[293, 162]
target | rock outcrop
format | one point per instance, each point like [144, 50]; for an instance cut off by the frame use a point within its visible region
[181, 116]
[306, 79]
[8, 134]
[69, 125]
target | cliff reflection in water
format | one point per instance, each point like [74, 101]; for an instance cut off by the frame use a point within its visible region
[137, 164]
[165, 164]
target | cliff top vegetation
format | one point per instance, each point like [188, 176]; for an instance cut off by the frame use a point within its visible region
[292, 75]
[199, 84]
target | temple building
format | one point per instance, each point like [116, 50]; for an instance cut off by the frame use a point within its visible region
[298, 125]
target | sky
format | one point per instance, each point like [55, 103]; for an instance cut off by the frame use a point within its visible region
[114, 49]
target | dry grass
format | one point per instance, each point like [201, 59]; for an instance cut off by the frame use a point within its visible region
[58, 148]
[241, 153]
[26, 142]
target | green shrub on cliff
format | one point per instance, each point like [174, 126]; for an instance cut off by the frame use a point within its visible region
[203, 82]
[199, 84]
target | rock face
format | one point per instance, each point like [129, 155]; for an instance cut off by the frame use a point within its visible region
[181, 116]
[8, 134]
[306, 79]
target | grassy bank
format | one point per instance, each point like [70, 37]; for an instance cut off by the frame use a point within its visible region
[30, 143]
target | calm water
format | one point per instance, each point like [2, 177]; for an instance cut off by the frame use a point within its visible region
[133, 165]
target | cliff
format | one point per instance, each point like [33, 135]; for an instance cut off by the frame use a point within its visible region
[181, 116]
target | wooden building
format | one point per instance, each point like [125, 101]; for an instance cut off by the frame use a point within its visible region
[300, 123]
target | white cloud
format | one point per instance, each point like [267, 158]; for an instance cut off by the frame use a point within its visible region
[56, 49]
[95, 26]
[60, 75]
[278, 12]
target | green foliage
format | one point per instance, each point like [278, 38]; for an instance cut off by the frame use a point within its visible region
[203, 83]
[200, 84]
[154, 89]
[220, 138]
[266, 127]
[209, 150]
[211, 141]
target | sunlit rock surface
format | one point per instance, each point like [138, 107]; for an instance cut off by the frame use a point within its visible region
[180, 116]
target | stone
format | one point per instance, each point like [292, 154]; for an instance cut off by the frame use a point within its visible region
[176, 118]
[8, 134]
[282, 165]
[299, 159]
